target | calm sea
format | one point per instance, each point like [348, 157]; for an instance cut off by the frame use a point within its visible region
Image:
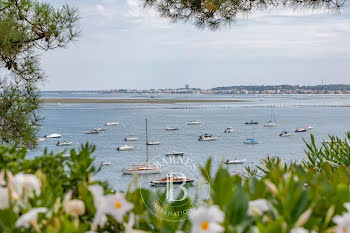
[326, 114]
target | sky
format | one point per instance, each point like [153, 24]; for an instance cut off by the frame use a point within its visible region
[124, 45]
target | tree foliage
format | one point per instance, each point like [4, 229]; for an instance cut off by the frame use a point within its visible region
[216, 13]
[27, 28]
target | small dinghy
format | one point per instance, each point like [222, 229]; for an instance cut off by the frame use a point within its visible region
[251, 122]
[171, 128]
[105, 163]
[153, 143]
[125, 148]
[111, 123]
[193, 123]
[299, 130]
[250, 141]
[228, 130]
[64, 143]
[175, 154]
[308, 127]
[54, 135]
[40, 139]
[285, 134]
[91, 131]
[235, 161]
[130, 139]
[99, 129]
[270, 124]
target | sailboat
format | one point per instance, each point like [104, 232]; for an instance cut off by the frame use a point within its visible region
[272, 122]
[143, 168]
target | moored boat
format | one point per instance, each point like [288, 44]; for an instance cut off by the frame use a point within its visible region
[125, 148]
[111, 123]
[285, 134]
[99, 129]
[105, 163]
[235, 161]
[308, 127]
[206, 137]
[228, 130]
[153, 143]
[299, 130]
[193, 123]
[175, 153]
[270, 124]
[64, 143]
[54, 135]
[250, 141]
[251, 122]
[174, 180]
[130, 139]
[171, 128]
[91, 131]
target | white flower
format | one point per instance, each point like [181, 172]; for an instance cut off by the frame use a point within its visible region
[257, 207]
[25, 184]
[117, 206]
[112, 204]
[4, 198]
[73, 207]
[31, 216]
[300, 230]
[343, 222]
[206, 219]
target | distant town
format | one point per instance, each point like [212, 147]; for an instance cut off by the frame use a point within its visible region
[273, 89]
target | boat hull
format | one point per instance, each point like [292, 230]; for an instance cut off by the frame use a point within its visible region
[140, 171]
[162, 184]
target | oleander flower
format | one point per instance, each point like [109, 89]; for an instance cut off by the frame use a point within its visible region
[206, 219]
[258, 206]
[114, 205]
[30, 218]
[73, 207]
[301, 230]
[343, 222]
[117, 206]
[24, 184]
[4, 198]
[100, 217]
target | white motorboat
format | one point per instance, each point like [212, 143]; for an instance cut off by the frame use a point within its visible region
[228, 130]
[111, 123]
[174, 180]
[142, 168]
[175, 153]
[105, 163]
[299, 130]
[235, 161]
[40, 139]
[64, 143]
[125, 148]
[130, 139]
[91, 131]
[308, 127]
[285, 134]
[206, 137]
[171, 128]
[99, 129]
[153, 143]
[194, 123]
[54, 135]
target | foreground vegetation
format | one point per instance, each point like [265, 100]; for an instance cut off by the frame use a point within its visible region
[53, 193]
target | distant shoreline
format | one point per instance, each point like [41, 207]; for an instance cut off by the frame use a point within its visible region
[137, 101]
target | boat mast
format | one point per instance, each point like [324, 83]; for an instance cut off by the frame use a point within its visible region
[146, 142]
